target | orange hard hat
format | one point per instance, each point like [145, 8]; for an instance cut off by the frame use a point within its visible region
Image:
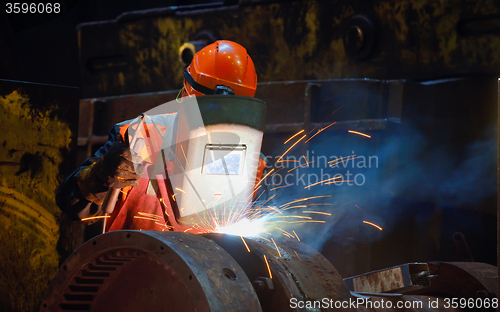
[223, 67]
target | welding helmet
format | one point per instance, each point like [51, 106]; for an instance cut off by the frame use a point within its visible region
[223, 67]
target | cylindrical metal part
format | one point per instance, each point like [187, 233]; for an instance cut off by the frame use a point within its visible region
[150, 271]
[176, 271]
[298, 271]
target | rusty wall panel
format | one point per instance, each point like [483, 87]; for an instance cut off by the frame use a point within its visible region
[297, 40]
[38, 141]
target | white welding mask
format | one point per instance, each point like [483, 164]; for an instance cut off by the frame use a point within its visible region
[211, 151]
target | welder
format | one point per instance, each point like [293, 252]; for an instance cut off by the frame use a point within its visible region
[223, 67]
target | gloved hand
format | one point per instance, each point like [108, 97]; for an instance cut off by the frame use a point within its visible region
[115, 169]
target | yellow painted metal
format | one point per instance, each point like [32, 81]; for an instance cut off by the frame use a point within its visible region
[32, 143]
[300, 40]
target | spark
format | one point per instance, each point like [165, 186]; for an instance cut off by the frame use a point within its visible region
[358, 207]
[279, 253]
[306, 160]
[146, 218]
[319, 131]
[296, 236]
[93, 218]
[163, 202]
[298, 217]
[264, 239]
[297, 255]
[279, 159]
[284, 231]
[312, 137]
[275, 188]
[326, 180]
[325, 119]
[288, 208]
[152, 215]
[264, 177]
[341, 160]
[304, 199]
[337, 159]
[321, 204]
[187, 230]
[277, 171]
[245, 243]
[341, 181]
[268, 268]
[260, 195]
[180, 190]
[363, 134]
[372, 224]
[187, 163]
[301, 166]
[314, 221]
[253, 193]
[318, 212]
[293, 136]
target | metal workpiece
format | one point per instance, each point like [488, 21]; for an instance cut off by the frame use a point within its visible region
[150, 271]
[298, 271]
[399, 278]
[466, 280]
[157, 271]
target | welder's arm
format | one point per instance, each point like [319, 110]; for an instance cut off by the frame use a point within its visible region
[86, 188]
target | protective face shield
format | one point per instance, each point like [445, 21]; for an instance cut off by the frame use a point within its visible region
[223, 157]
[210, 149]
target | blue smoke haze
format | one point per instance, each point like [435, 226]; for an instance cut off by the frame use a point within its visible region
[410, 170]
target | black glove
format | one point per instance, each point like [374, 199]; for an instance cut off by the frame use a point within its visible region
[115, 169]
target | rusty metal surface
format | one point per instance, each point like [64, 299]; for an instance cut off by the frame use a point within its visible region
[150, 271]
[310, 277]
[417, 39]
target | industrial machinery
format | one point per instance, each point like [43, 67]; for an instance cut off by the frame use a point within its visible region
[174, 271]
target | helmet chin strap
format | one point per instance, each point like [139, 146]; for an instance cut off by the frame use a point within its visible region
[221, 89]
